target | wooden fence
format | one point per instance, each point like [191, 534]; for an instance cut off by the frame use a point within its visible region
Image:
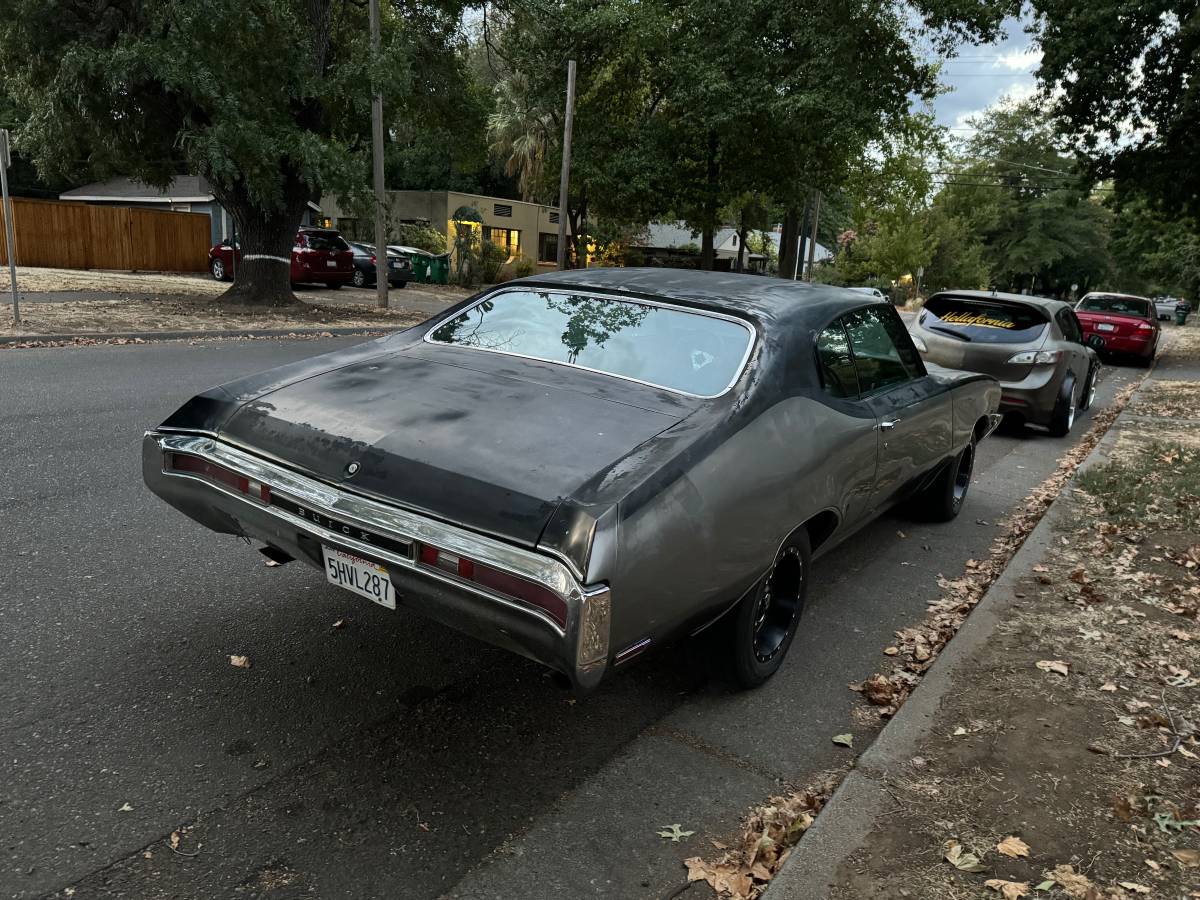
[82, 236]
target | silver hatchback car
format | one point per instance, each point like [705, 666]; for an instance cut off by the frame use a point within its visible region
[1032, 345]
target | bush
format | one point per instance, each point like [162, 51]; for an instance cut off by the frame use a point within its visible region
[423, 237]
[523, 267]
[491, 258]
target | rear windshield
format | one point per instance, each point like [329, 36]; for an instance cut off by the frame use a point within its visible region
[983, 321]
[684, 351]
[1116, 303]
[316, 241]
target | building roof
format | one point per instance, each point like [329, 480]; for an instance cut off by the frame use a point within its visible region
[186, 188]
[813, 305]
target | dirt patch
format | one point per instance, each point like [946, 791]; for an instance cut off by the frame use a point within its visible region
[106, 281]
[1073, 730]
[196, 313]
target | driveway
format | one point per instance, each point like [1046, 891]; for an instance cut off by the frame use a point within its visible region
[366, 753]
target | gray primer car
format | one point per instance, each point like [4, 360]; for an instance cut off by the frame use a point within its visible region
[1032, 345]
[582, 465]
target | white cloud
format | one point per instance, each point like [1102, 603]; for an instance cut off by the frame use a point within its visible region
[1019, 60]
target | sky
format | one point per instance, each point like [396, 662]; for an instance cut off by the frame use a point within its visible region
[980, 76]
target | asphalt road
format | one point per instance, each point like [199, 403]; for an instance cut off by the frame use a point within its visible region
[389, 756]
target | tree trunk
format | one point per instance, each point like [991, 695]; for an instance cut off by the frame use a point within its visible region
[263, 274]
[741, 238]
[787, 242]
[707, 257]
[577, 215]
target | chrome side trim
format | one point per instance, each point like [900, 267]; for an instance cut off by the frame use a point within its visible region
[994, 420]
[379, 517]
[631, 651]
[616, 298]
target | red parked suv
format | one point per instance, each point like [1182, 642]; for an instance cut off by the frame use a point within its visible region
[1119, 325]
[320, 255]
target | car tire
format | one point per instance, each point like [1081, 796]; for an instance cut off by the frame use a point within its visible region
[759, 630]
[943, 500]
[359, 278]
[217, 268]
[1089, 388]
[1062, 420]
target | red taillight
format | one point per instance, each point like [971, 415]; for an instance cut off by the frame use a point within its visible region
[495, 580]
[194, 465]
[1145, 326]
[372, 260]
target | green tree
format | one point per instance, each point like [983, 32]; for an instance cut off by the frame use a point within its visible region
[1124, 78]
[268, 99]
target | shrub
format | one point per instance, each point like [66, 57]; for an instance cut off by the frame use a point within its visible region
[491, 258]
[523, 267]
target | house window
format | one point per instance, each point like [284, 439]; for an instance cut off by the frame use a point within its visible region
[547, 247]
[508, 238]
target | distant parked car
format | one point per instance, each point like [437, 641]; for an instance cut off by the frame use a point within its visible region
[1033, 346]
[399, 266]
[1120, 325]
[871, 292]
[1165, 307]
[319, 256]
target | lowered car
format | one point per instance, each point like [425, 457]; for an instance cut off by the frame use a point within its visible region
[1032, 345]
[1120, 325]
[584, 465]
[399, 266]
[319, 256]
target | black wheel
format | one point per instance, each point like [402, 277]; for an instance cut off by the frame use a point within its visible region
[1089, 387]
[360, 278]
[217, 267]
[1063, 417]
[943, 500]
[759, 630]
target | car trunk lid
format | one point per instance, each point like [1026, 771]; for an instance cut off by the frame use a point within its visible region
[981, 335]
[493, 453]
[1109, 323]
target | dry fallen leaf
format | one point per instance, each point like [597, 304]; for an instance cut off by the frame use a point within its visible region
[962, 860]
[674, 833]
[270, 563]
[1134, 886]
[1189, 859]
[125, 807]
[1013, 847]
[1053, 665]
[844, 740]
[1073, 884]
[1009, 890]
[339, 623]
[241, 662]
[174, 840]
[1108, 686]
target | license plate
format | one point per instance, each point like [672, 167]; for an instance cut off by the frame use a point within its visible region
[331, 263]
[363, 577]
[1105, 326]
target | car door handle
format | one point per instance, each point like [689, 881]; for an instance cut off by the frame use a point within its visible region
[888, 424]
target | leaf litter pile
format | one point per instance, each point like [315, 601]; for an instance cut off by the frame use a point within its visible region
[1066, 761]
[743, 869]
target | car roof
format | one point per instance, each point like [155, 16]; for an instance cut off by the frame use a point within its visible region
[1113, 294]
[755, 295]
[1046, 304]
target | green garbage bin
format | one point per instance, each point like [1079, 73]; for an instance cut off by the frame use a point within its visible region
[420, 267]
[1181, 315]
[439, 269]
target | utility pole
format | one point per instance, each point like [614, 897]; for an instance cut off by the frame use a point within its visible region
[565, 177]
[812, 242]
[381, 257]
[10, 242]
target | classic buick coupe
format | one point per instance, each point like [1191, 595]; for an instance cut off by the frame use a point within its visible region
[582, 465]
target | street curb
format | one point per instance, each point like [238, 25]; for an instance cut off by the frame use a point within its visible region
[845, 823]
[185, 335]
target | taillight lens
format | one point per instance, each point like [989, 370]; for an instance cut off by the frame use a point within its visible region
[1036, 357]
[1145, 326]
[495, 580]
[202, 468]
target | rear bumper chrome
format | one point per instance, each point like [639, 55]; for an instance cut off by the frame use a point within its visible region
[303, 514]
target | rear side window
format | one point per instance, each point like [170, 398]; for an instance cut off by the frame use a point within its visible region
[1070, 326]
[983, 321]
[879, 358]
[668, 347]
[838, 374]
[1116, 303]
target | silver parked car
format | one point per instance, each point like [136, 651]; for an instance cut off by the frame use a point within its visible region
[1032, 345]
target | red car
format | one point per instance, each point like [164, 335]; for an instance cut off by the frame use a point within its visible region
[320, 255]
[1119, 325]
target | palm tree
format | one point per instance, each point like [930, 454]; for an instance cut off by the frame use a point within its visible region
[520, 134]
